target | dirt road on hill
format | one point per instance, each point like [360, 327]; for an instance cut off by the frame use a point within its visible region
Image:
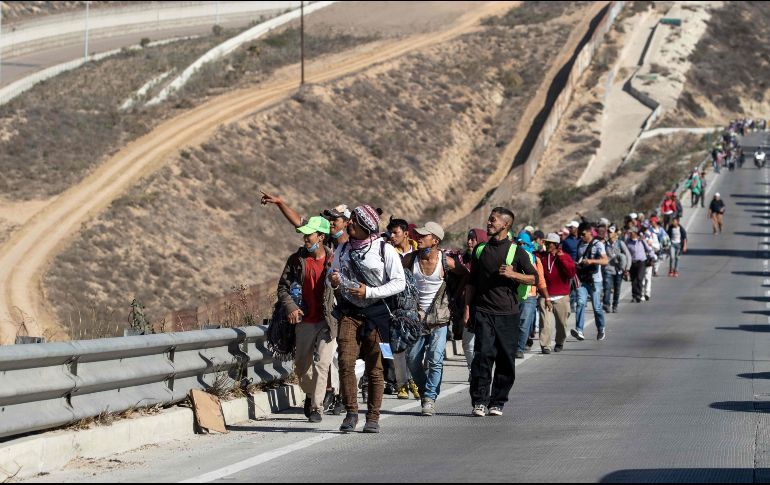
[26, 255]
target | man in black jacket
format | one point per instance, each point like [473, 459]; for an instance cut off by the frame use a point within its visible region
[497, 270]
[717, 213]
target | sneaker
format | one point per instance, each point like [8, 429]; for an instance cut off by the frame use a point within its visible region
[614, 309]
[546, 350]
[479, 410]
[577, 334]
[390, 389]
[349, 423]
[414, 389]
[495, 411]
[315, 416]
[337, 406]
[606, 308]
[558, 348]
[328, 400]
[428, 407]
[403, 392]
[601, 335]
[646, 297]
[676, 274]
[372, 427]
[519, 355]
[671, 273]
[306, 407]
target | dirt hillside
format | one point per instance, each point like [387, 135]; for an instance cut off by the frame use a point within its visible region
[412, 135]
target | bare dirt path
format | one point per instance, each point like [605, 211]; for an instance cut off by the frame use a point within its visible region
[25, 256]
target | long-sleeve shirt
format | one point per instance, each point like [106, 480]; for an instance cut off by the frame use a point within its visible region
[570, 246]
[620, 257]
[496, 294]
[639, 250]
[388, 273]
[558, 271]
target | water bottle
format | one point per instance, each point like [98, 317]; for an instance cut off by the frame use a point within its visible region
[347, 283]
[295, 290]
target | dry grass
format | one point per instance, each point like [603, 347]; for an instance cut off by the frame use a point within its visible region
[24, 10]
[729, 65]
[185, 234]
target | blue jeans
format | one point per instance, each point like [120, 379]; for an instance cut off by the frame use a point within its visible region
[527, 310]
[595, 290]
[434, 345]
[673, 261]
[612, 284]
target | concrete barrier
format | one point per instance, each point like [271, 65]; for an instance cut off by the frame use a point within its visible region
[30, 456]
[25, 84]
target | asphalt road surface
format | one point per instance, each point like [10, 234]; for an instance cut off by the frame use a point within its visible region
[678, 392]
[15, 68]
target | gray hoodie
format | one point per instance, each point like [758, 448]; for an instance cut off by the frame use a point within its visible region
[619, 256]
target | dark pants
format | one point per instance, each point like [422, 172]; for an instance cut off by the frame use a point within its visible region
[350, 346]
[612, 284]
[496, 340]
[637, 278]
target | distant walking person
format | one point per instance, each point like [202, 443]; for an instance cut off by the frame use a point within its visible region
[717, 213]
[619, 266]
[678, 236]
[640, 253]
[498, 268]
[558, 271]
[592, 256]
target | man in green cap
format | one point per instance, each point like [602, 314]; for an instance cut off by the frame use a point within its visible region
[309, 302]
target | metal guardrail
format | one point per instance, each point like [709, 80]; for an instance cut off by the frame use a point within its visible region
[48, 385]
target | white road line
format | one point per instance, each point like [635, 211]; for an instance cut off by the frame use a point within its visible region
[767, 293]
[767, 282]
[767, 304]
[285, 450]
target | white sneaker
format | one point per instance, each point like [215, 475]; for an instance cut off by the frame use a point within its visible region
[479, 410]
[495, 411]
[577, 334]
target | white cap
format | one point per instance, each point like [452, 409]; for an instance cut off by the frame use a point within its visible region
[717, 195]
[529, 229]
[431, 228]
[633, 215]
[573, 224]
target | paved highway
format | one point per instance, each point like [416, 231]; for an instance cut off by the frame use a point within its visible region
[15, 68]
[677, 392]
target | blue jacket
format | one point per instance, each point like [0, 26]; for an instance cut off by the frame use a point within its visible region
[570, 246]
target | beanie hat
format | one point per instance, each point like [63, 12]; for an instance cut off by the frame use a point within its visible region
[368, 217]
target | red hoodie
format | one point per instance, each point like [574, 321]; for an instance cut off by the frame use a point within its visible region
[558, 272]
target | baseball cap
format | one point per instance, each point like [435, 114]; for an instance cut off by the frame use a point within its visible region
[339, 211]
[717, 195]
[315, 224]
[604, 222]
[633, 215]
[573, 224]
[431, 228]
[553, 237]
[529, 229]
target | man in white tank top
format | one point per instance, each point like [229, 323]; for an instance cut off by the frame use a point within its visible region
[429, 266]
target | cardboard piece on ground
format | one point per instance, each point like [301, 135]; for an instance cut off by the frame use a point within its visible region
[208, 411]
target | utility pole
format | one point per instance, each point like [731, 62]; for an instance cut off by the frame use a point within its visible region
[302, 41]
[1, 43]
[86, 42]
[216, 21]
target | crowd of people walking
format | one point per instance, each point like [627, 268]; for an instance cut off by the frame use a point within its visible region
[353, 293]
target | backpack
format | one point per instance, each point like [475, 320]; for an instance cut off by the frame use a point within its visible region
[585, 272]
[405, 326]
[522, 291]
